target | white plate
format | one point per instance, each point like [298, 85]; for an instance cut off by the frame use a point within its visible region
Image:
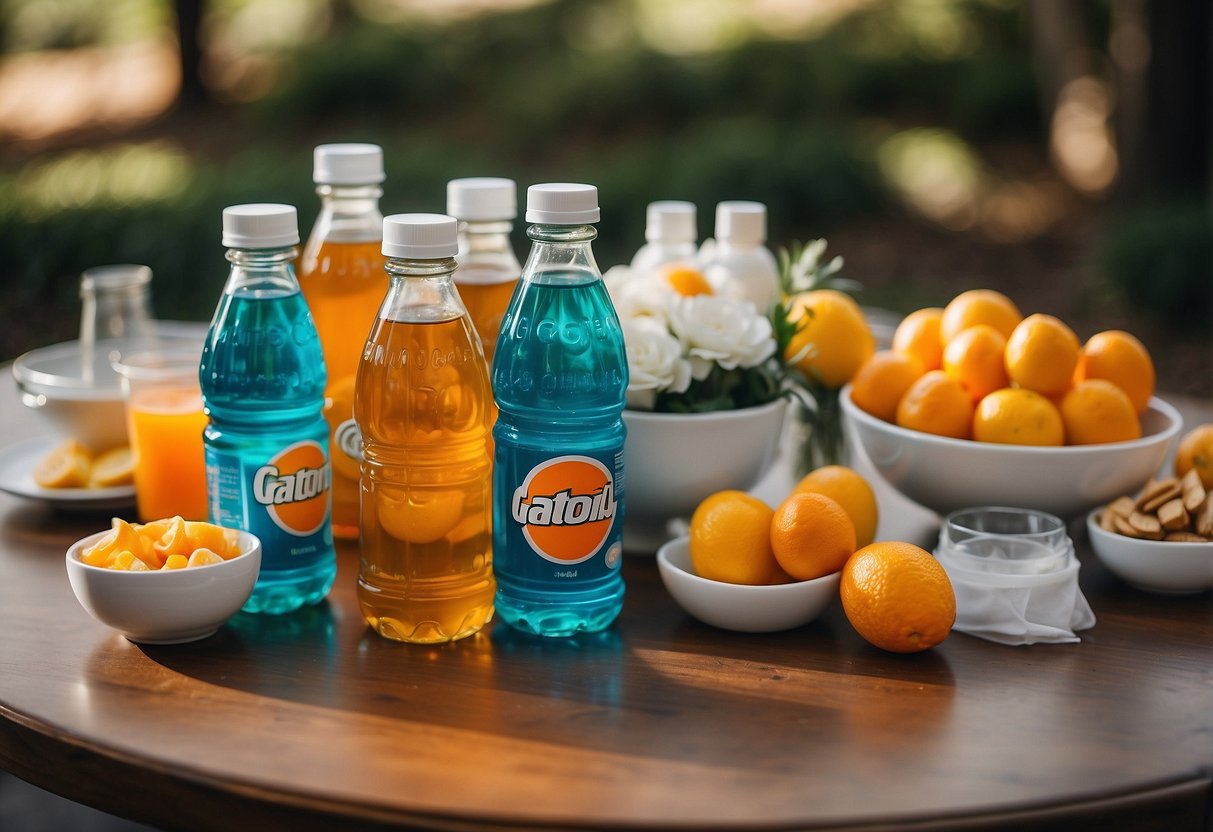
[16, 477]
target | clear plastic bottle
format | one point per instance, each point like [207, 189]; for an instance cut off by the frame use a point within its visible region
[341, 274]
[423, 409]
[737, 264]
[488, 268]
[669, 234]
[560, 376]
[262, 377]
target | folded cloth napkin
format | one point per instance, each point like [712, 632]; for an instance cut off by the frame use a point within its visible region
[1044, 608]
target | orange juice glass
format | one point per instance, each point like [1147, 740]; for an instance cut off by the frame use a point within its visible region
[165, 421]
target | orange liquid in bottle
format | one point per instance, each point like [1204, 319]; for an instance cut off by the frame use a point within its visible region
[486, 303]
[343, 284]
[423, 406]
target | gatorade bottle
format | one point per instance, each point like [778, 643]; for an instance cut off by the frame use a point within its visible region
[738, 265]
[560, 376]
[262, 376]
[423, 408]
[341, 274]
[670, 235]
[488, 269]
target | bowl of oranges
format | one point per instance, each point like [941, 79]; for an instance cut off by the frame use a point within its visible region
[165, 582]
[976, 404]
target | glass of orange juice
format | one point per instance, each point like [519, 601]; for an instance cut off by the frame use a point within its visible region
[165, 421]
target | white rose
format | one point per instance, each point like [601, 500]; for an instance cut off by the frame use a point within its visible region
[724, 331]
[638, 293]
[655, 362]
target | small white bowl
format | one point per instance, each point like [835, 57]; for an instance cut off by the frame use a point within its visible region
[167, 606]
[1162, 566]
[672, 461]
[947, 474]
[747, 609]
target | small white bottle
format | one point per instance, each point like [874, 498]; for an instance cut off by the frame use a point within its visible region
[738, 265]
[670, 235]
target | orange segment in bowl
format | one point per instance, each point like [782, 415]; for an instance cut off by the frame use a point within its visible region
[122, 537]
[113, 468]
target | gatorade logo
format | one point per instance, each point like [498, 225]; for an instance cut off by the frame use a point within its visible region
[348, 439]
[566, 507]
[294, 488]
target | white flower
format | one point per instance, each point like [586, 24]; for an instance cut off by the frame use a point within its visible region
[715, 330]
[655, 362]
[638, 293]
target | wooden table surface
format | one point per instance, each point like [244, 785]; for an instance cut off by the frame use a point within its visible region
[311, 721]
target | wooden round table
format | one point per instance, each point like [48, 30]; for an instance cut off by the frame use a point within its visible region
[311, 721]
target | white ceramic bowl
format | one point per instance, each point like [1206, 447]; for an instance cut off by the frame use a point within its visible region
[86, 403]
[1167, 567]
[747, 609]
[165, 606]
[672, 461]
[946, 474]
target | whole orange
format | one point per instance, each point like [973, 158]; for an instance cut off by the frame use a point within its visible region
[834, 340]
[898, 597]
[849, 490]
[811, 536]
[882, 381]
[1097, 411]
[1120, 358]
[975, 358]
[1195, 451]
[1042, 353]
[918, 337]
[731, 539]
[1018, 417]
[978, 306]
[937, 404]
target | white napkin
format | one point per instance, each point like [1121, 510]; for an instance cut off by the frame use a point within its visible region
[1019, 609]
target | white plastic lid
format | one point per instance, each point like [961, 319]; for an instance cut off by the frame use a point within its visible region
[562, 203]
[347, 164]
[741, 222]
[260, 225]
[420, 236]
[482, 198]
[670, 221]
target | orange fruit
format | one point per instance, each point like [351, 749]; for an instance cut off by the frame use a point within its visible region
[1018, 417]
[918, 337]
[834, 339]
[66, 466]
[849, 490]
[687, 281]
[978, 306]
[811, 536]
[1042, 353]
[882, 381]
[1195, 451]
[898, 597]
[1120, 358]
[975, 358]
[1097, 411]
[114, 467]
[937, 404]
[731, 539]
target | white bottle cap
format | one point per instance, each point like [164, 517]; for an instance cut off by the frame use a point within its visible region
[420, 236]
[482, 198]
[670, 221]
[741, 222]
[347, 164]
[260, 225]
[562, 203]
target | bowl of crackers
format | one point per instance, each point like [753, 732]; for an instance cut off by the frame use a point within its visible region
[1162, 539]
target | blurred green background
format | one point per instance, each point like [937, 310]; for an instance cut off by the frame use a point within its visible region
[1058, 151]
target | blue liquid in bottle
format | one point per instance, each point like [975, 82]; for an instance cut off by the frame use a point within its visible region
[560, 379]
[263, 378]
